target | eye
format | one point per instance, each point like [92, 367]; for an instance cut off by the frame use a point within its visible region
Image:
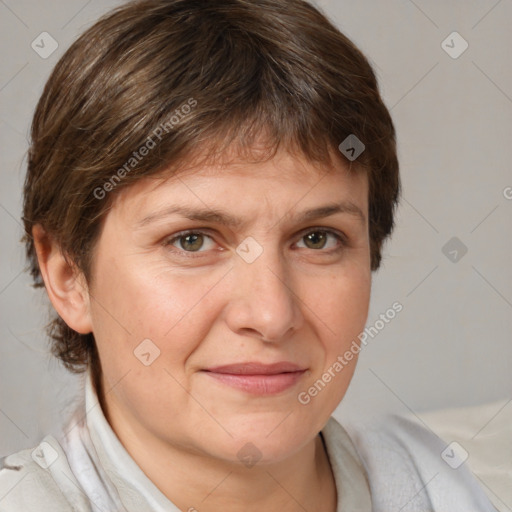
[191, 241]
[318, 239]
[322, 239]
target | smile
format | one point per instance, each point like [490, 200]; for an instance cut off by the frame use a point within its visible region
[256, 378]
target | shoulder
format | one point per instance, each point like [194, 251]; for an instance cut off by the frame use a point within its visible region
[34, 479]
[410, 468]
[485, 432]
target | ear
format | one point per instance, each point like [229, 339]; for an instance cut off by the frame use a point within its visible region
[65, 284]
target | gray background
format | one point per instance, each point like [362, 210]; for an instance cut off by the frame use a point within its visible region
[450, 345]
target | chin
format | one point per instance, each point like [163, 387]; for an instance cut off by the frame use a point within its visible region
[269, 438]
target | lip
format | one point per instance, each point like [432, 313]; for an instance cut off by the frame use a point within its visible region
[257, 378]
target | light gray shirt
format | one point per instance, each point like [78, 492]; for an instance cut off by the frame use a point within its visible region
[394, 464]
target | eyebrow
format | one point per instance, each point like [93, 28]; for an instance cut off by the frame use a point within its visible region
[222, 217]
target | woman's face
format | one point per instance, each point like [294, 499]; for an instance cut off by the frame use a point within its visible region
[220, 297]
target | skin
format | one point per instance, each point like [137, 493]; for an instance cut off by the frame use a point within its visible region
[298, 301]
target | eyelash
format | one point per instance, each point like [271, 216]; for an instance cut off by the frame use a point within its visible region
[340, 237]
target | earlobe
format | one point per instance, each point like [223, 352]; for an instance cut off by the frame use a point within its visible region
[65, 284]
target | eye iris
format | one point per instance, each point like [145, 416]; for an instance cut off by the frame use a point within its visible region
[316, 239]
[191, 242]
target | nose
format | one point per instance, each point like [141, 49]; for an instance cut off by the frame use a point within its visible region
[262, 302]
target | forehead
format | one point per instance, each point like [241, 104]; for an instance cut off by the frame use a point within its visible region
[275, 184]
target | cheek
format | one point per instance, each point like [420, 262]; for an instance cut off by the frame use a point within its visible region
[340, 301]
[339, 315]
[134, 302]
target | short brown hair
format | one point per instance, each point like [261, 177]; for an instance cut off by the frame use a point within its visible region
[243, 68]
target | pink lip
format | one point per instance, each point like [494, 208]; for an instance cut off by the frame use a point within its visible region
[257, 378]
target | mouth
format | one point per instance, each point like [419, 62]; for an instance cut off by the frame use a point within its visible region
[258, 378]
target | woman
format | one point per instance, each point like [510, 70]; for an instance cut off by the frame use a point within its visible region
[209, 188]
